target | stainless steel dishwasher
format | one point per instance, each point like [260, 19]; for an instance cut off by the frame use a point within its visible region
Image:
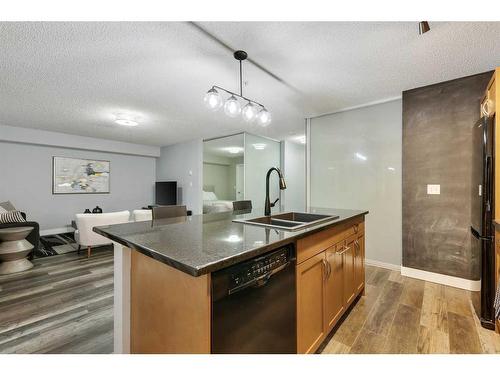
[254, 305]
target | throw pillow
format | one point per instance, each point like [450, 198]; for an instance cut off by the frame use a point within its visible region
[11, 217]
[6, 206]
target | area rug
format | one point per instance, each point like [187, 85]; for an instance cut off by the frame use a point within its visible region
[56, 244]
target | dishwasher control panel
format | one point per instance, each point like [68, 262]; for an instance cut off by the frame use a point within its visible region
[259, 267]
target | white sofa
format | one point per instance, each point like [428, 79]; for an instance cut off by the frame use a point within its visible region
[142, 215]
[86, 237]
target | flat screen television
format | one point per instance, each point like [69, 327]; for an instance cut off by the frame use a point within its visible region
[166, 193]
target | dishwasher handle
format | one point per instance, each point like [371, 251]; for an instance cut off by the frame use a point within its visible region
[259, 281]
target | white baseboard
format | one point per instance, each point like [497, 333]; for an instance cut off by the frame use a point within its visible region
[457, 282]
[50, 232]
[377, 263]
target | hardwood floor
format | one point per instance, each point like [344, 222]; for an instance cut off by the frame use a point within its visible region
[404, 315]
[65, 305]
[62, 305]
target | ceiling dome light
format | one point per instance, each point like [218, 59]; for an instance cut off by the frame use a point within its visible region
[125, 120]
[232, 107]
[264, 117]
[213, 99]
[234, 150]
[249, 112]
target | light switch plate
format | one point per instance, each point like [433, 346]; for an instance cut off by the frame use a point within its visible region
[433, 189]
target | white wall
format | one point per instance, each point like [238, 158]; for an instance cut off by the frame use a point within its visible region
[340, 179]
[293, 162]
[26, 180]
[183, 162]
[217, 175]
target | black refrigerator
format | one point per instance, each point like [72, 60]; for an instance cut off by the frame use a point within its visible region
[482, 215]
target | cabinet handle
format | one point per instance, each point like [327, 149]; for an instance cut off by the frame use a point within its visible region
[343, 251]
[329, 269]
[355, 228]
[325, 269]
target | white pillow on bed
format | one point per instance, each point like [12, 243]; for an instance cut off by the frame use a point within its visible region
[209, 196]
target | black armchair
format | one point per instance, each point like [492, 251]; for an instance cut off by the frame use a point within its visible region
[33, 237]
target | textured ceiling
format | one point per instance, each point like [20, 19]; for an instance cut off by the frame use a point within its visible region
[73, 77]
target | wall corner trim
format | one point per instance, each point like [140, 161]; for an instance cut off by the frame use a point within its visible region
[457, 282]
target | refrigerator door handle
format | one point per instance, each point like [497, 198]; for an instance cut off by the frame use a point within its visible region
[488, 190]
[475, 233]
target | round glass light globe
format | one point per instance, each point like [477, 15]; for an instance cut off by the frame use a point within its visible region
[232, 107]
[249, 112]
[264, 117]
[213, 99]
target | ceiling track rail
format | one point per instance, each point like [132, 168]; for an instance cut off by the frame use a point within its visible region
[232, 50]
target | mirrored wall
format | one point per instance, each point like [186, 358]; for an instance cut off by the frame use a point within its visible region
[235, 168]
[223, 173]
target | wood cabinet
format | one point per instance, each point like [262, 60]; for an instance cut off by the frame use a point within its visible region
[330, 275]
[349, 271]
[359, 263]
[334, 293]
[311, 276]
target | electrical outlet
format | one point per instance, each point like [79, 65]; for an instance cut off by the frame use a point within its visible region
[433, 189]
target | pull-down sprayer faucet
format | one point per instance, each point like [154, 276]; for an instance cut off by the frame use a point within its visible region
[268, 204]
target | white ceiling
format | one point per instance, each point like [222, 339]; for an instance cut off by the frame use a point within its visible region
[73, 77]
[221, 146]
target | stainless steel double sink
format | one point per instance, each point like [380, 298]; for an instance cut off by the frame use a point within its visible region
[289, 220]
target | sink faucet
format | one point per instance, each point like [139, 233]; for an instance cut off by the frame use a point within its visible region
[268, 204]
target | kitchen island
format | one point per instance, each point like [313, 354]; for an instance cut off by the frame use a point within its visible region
[163, 275]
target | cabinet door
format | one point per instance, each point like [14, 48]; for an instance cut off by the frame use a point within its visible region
[359, 262]
[348, 270]
[334, 288]
[310, 303]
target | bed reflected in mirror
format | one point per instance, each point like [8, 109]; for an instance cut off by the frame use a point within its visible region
[223, 173]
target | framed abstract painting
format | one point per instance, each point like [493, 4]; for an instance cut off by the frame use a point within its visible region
[80, 176]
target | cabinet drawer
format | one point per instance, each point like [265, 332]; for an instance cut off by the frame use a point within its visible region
[311, 245]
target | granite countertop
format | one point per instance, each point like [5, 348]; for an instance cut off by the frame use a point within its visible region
[201, 244]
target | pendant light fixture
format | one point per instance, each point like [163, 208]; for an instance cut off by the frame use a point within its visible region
[251, 111]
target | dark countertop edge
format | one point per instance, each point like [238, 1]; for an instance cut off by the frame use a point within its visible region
[225, 262]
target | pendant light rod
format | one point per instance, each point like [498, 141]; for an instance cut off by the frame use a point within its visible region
[240, 56]
[238, 95]
[241, 81]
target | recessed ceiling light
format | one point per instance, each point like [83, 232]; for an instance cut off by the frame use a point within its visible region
[259, 146]
[361, 156]
[391, 168]
[234, 150]
[126, 122]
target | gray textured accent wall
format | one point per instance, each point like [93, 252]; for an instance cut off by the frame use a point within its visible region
[437, 149]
